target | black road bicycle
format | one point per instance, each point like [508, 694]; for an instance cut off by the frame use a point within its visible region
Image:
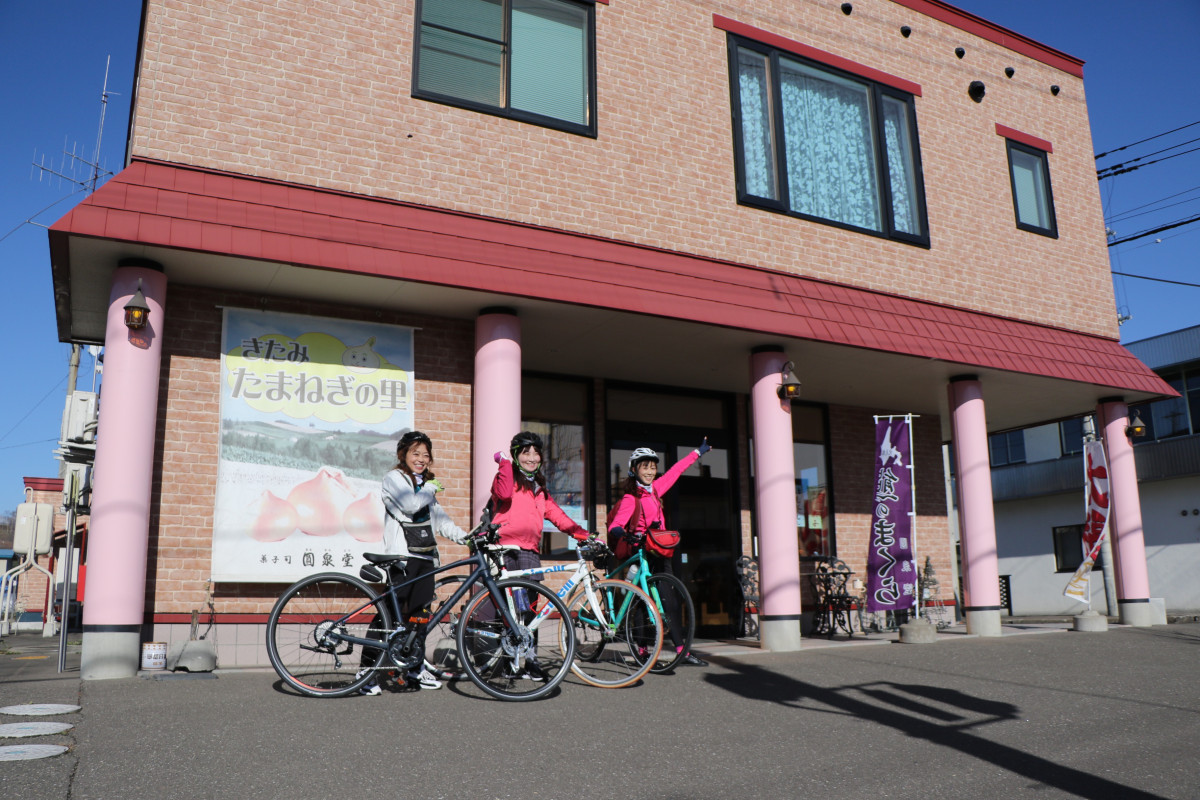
[508, 634]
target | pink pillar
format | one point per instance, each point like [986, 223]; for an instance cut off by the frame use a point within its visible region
[497, 393]
[775, 495]
[981, 566]
[1125, 518]
[125, 445]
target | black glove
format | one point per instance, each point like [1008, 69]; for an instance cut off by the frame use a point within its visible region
[616, 532]
[704, 447]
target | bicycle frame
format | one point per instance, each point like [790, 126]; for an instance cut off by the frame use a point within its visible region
[582, 575]
[638, 560]
[480, 572]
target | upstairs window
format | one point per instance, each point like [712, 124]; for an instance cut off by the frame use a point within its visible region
[825, 145]
[1034, 203]
[1007, 448]
[1071, 436]
[531, 60]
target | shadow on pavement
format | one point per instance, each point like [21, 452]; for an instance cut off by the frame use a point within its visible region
[894, 706]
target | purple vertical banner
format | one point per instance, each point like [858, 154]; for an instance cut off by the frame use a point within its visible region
[891, 578]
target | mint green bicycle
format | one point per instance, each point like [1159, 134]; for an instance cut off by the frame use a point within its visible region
[669, 595]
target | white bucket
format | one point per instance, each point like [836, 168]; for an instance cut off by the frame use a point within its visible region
[154, 655]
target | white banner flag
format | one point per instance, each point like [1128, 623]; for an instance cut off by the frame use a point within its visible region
[1095, 528]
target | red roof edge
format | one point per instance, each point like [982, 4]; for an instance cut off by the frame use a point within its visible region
[990, 31]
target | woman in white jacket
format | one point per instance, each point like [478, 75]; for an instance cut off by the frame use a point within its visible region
[413, 518]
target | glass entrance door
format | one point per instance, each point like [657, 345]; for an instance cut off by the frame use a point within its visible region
[701, 504]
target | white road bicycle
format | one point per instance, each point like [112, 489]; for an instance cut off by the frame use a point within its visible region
[617, 627]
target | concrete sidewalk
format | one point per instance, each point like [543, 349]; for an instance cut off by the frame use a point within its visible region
[1039, 712]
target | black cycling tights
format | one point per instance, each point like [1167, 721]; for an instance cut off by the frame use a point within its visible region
[670, 602]
[415, 600]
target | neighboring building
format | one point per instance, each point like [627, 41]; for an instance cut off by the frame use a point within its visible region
[615, 222]
[1037, 478]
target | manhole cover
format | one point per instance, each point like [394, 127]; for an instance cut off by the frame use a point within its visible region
[39, 709]
[25, 752]
[18, 729]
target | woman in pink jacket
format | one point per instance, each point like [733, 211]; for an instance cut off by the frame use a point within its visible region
[521, 504]
[643, 491]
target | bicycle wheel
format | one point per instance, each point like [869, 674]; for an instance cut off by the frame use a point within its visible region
[618, 640]
[520, 664]
[441, 646]
[667, 589]
[304, 634]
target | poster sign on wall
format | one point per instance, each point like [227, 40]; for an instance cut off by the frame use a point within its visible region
[891, 576]
[311, 409]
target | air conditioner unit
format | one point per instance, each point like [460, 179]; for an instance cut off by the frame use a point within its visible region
[77, 489]
[79, 419]
[34, 528]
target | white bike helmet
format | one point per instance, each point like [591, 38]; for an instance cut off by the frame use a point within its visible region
[640, 455]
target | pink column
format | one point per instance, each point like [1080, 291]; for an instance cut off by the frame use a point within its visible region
[497, 393]
[1125, 518]
[775, 500]
[981, 566]
[125, 443]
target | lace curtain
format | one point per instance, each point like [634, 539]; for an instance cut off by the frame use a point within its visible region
[829, 146]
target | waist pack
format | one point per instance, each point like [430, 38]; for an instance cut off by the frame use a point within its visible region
[662, 543]
[419, 536]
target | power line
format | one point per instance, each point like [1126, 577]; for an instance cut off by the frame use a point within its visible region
[1152, 138]
[1130, 215]
[27, 444]
[1157, 280]
[1127, 211]
[1156, 152]
[35, 407]
[1144, 234]
[1109, 172]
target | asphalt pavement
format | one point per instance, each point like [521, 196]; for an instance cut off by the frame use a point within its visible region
[1041, 712]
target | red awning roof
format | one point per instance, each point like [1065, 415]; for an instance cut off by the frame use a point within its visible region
[166, 205]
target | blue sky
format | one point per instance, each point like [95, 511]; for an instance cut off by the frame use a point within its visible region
[1140, 77]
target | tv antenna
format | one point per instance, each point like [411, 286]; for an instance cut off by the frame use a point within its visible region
[72, 163]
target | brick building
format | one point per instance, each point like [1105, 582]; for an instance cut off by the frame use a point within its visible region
[616, 222]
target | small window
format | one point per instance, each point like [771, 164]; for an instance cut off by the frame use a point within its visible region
[1170, 416]
[1071, 433]
[824, 145]
[530, 60]
[1034, 203]
[1068, 548]
[1007, 448]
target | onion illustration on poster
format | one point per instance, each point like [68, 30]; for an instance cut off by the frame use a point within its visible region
[311, 409]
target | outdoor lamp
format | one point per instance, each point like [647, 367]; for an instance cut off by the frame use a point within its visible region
[789, 386]
[136, 310]
[1136, 428]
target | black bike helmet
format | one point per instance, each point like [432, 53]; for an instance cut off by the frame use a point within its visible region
[525, 439]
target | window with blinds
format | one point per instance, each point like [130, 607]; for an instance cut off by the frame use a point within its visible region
[1032, 199]
[531, 60]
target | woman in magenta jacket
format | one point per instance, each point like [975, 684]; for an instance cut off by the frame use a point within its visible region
[520, 503]
[645, 487]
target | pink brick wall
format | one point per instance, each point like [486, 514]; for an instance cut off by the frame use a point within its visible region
[318, 92]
